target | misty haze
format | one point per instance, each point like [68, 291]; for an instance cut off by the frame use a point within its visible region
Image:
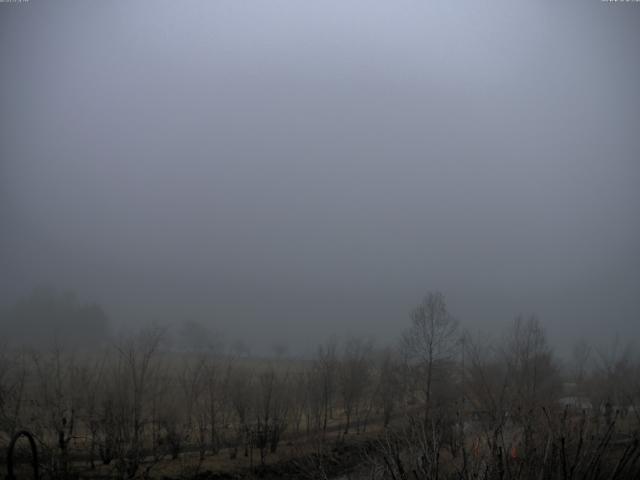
[347, 239]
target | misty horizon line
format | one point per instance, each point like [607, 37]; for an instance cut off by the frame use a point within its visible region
[207, 338]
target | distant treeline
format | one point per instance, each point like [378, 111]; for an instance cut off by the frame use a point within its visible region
[47, 317]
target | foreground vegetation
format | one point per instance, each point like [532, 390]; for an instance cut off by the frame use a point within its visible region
[442, 404]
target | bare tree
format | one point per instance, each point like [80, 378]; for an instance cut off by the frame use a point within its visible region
[192, 383]
[57, 398]
[354, 378]
[240, 396]
[91, 377]
[327, 369]
[136, 369]
[534, 375]
[315, 397]
[13, 377]
[389, 386]
[271, 410]
[430, 344]
[299, 398]
[217, 399]
[614, 383]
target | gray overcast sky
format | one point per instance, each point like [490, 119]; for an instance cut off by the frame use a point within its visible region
[288, 169]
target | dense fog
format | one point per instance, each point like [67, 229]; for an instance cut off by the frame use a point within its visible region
[281, 171]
